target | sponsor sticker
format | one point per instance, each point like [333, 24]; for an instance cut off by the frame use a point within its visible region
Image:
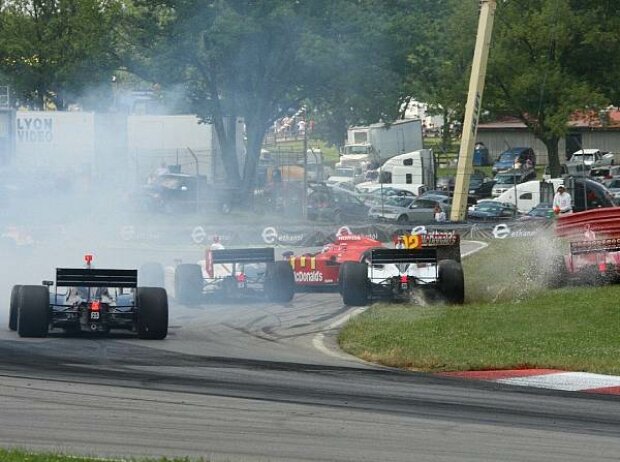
[310, 276]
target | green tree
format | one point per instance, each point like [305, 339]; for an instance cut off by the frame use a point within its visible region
[54, 50]
[359, 65]
[545, 64]
[438, 39]
[259, 60]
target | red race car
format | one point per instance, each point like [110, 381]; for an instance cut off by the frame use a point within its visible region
[323, 268]
[594, 248]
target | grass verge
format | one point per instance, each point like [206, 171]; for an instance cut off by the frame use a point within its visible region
[503, 325]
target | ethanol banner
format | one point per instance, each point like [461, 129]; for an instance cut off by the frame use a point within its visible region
[315, 236]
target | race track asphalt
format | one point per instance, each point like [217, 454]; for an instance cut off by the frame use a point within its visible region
[246, 381]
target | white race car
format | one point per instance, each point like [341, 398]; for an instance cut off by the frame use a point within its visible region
[425, 263]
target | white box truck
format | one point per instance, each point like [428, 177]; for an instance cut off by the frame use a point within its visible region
[381, 141]
[369, 146]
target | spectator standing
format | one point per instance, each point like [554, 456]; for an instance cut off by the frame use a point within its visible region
[440, 215]
[301, 127]
[562, 201]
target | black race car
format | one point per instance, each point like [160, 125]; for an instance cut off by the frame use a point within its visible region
[91, 300]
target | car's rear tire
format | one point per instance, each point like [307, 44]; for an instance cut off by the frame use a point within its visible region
[14, 307]
[451, 281]
[280, 282]
[355, 284]
[33, 315]
[188, 284]
[152, 274]
[402, 220]
[152, 319]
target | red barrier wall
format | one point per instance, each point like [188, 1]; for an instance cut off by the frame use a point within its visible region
[605, 222]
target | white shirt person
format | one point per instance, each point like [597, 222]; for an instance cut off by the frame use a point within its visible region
[562, 202]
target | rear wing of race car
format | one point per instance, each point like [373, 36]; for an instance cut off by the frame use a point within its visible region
[601, 245]
[258, 255]
[81, 277]
[446, 244]
[419, 255]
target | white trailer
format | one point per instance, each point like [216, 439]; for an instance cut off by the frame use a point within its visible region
[54, 142]
[526, 196]
[417, 167]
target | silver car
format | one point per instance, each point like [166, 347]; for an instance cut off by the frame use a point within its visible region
[404, 210]
[613, 185]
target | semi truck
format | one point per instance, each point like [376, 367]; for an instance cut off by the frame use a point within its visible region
[370, 146]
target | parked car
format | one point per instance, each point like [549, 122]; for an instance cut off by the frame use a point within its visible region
[445, 183]
[492, 211]
[480, 187]
[613, 185]
[601, 174]
[543, 211]
[381, 196]
[418, 211]
[587, 156]
[516, 156]
[179, 192]
[471, 200]
[589, 194]
[507, 180]
[336, 205]
[571, 168]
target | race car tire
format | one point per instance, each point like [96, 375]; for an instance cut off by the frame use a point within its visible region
[451, 281]
[188, 284]
[355, 285]
[151, 274]
[229, 287]
[279, 282]
[33, 316]
[14, 307]
[152, 319]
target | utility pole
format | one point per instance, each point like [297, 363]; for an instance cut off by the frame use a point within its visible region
[305, 194]
[472, 110]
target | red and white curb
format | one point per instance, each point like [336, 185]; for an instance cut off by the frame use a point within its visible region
[547, 378]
